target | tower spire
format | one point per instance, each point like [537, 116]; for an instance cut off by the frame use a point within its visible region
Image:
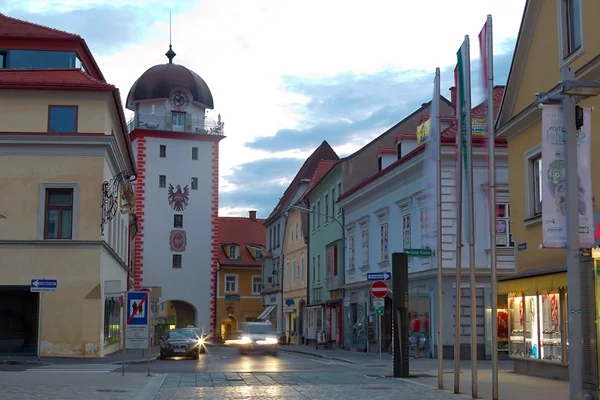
[170, 54]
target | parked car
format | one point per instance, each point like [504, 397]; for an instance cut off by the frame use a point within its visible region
[258, 336]
[181, 343]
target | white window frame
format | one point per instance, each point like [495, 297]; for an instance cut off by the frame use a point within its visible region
[318, 268]
[531, 217]
[314, 218]
[383, 235]
[351, 250]
[364, 242]
[314, 268]
[406, 234]
[423, 228]
[254, 283]
[287, 275]
[233, 251]
[74, 217]
[339, 193]
[326, 208]
[294, 272]
[318, 214]
[236, 278]
[333, 202]
[509, 244]
[566, 55]
[302, 269]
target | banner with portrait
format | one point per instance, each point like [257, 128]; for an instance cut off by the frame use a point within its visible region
[552, 179]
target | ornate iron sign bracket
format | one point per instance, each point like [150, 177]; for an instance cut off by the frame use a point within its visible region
[110, 197]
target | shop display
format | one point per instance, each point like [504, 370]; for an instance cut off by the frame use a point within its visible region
[517, 330]
[551, 342]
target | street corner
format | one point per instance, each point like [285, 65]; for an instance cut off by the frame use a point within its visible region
[137, 361]
[152, 387]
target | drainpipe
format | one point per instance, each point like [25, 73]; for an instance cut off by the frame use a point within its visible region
[282, 319]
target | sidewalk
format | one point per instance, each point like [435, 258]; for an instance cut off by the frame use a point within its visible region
[511, 386]
[132, 356]
[39, 385]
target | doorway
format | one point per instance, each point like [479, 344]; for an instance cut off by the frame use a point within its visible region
[19, 316]
[178, 121]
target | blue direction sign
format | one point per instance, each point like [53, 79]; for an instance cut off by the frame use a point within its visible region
[379, 276]
[43, 285]
[137, 308]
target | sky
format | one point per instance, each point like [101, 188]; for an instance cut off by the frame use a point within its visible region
[286, 75]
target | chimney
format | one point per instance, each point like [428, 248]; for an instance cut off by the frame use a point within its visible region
[453, 98]
[252, 215]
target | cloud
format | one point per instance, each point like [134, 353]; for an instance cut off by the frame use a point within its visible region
[258, 185]
[355, 108]
[107, 28]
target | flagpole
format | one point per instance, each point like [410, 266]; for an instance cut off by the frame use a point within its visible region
[471, 213]
[437, 131]
[492, 184]
[459, 194]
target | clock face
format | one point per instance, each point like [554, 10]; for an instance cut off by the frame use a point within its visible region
[179, 100]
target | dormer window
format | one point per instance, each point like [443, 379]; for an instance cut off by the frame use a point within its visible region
[233, 252]
[259, 254]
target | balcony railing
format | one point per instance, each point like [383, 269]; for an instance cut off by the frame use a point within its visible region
[187, 123]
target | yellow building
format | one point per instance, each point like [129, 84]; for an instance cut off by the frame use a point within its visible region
[294, 274]
[537, 295]
[239, 279]
[164, 319]
[64, 153]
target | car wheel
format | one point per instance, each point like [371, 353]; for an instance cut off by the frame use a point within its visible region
[161, 357]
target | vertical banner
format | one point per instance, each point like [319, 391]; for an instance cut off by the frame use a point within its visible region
[551, 183]
[430, 173]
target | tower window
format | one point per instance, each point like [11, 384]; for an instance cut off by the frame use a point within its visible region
[176, 260]
[162, 181]
[178, 221]
[194, 153]
[163, 151]
[194, 183]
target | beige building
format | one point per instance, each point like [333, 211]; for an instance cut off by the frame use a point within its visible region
[64, 155]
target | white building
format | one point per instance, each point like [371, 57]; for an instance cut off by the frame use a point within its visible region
[384, 214]
[177, 154]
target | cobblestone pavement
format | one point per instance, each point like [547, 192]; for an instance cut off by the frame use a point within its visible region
[293, 385]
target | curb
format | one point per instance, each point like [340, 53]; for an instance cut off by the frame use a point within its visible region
[306, 353]
[140, 361]
[152, 387]
[344, 360]
[18, 362]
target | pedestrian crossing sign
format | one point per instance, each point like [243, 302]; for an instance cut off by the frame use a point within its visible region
[137, 308]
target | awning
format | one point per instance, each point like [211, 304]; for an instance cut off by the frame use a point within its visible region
[538, 283]
[265, 313]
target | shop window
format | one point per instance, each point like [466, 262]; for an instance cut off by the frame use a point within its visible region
[503, 236]
[112, 319]
[550, 337]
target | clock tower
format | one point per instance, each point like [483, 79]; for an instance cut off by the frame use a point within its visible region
[177, 154]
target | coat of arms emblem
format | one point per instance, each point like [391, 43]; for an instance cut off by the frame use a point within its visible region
[178, 199]
[178, 241]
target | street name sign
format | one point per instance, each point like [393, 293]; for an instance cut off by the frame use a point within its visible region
[136, 336]
[43, 285]
[379, 276]
[418, 252]
[379, 289]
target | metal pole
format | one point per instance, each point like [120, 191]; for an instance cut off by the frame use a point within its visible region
[438, 253]
[124, 331]
[149, 311]
[380, 337]
[492, 185]
[573, 267]
[459, 195]
[41, 307]
[471, 213]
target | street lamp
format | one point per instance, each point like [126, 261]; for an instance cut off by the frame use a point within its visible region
[570, 92]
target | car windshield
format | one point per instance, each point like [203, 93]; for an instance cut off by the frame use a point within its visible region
[182, 335]
[259, 328]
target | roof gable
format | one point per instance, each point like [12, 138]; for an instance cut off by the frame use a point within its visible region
[320, 173]
[243, 232]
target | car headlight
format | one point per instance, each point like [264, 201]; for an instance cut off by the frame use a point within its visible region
[246, 339]
[201, 341]
[271, 340]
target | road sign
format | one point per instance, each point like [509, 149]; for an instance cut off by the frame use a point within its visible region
[379, 276]
[137, 308]
[418, 252]
[379, 289]
[379, 311]
[43, 285]
[137, 337]
[378, 303]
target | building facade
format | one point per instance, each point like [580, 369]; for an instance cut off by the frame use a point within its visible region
[326, 254]
[394, 204]
[537, 305]
[275, 224]
[177, 153]
[63, 126]
[239, 279]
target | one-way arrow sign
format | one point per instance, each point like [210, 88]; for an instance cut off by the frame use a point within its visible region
[43, 285]
[379, 276]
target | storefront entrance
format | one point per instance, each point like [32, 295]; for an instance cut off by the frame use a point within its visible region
[419, 309]
[18, 320]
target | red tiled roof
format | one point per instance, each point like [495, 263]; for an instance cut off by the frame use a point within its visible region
[244, 232]
[64, 79]
[405, 135]
[67, 79]
[448, 139]
[323, 152]
[16, 28]
[322, 169]
[386, 150]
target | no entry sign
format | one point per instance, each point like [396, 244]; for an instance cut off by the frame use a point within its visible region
[379, 289]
